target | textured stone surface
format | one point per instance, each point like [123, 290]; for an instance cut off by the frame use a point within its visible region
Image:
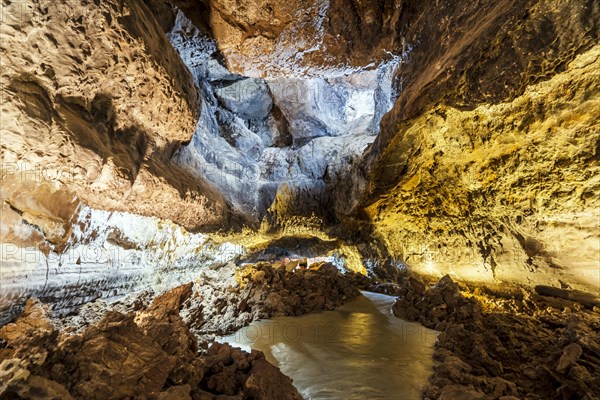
[502, 346]
[104, 100]
[487, 166]
[229, 298]
[268, 38]
[496, 106]
[151, 349]
[123, 130]
[518, 205]
[147, 354]
[246, 98]
[266, 382]
[260, 141]
[94, 102]
[108, 255]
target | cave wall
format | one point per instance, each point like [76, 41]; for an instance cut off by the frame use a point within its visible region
[260, 141]
[487, 166]
[123, 133]
[95, 101]
[253, 113]
[266, 38]
[506, 192]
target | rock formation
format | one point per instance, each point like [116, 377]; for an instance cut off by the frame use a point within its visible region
[147, 144]
[190, 141]
[504, 347]
[485, 168]
[268, 38]
[149, 351]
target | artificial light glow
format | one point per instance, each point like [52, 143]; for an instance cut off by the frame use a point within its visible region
[431, 268]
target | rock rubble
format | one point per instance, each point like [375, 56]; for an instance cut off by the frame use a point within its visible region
[161, 349]
[498, 346]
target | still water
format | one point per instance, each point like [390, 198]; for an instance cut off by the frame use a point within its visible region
[359, 351]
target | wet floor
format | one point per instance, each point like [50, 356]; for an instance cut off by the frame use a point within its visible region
[359, 351]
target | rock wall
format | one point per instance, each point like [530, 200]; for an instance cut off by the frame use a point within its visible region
[108, 255]
[94, 103]
[275, 116]
[259, 140]
[268, 38]
[496, 104]
[487, 166]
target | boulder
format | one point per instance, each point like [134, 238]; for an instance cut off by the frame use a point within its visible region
[266, 382]
[176, 393]
[569, 357]
[246, 98]
[116, 359]
[17, 381]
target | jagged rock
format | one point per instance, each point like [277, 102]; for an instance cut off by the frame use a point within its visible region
[435, 307]
[270, 38]
[229, 370]
[266, 382]
[247, 98]
[458, 392]
[454, 368]
[30, 338]
[569, 357]
[162, 322]
[239, 296]
[18, 381]
[148, 350]
[33, 324]
[150, 354]
[176, 393]
[116, 359]
[491, 348]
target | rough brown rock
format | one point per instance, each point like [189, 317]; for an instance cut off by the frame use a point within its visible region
[105, 100]
[19, 382]
[503, 346]
[437, 306]
[569, 357]
[176, 393]
[148, 355]
[459, 392]
[268, 38]
[230, 298]
[116, 359]
[265, 382]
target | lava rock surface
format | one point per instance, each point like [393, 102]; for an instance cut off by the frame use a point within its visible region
[162, 348]
[498, 346]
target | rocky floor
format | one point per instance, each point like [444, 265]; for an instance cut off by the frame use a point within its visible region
[492, 345]
[498, 346]
[161, 347]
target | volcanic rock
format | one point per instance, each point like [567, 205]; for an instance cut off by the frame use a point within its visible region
[501, 346]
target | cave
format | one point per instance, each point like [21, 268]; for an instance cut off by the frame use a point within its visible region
[319, 199]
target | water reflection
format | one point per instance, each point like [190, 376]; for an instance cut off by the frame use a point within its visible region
[359, 351]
